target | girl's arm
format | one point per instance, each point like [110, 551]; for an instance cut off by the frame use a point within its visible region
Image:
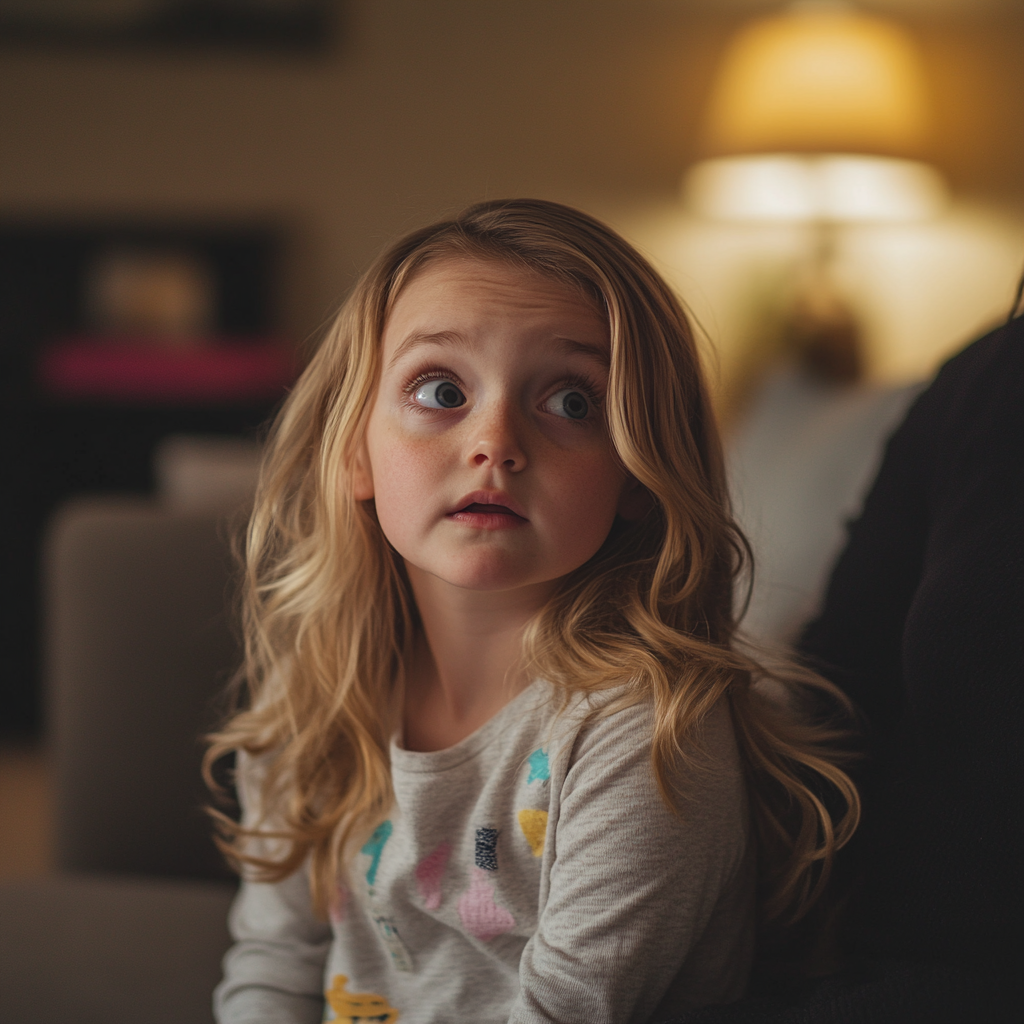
[645, 912]
[274, 972]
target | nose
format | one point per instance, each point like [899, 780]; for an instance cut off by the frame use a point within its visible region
[498, 439]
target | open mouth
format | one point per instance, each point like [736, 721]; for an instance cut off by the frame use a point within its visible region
[480, 514]
[489, 510]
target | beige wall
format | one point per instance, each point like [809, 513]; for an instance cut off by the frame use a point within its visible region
[425, 105]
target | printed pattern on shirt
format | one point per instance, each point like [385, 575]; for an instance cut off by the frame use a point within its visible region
[386, 927]
[430, 872]
[393, 941]
[375, 847]
[481, 915]
[339, 901]
[487, 849]
[540, 766]
[358, 1007]
[535, 826]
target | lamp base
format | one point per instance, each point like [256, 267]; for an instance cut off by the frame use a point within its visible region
[822, 331]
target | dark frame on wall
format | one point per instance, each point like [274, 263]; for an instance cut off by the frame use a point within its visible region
[268, 25]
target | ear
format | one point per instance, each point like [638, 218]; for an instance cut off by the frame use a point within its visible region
[362, 474]
[635, 501]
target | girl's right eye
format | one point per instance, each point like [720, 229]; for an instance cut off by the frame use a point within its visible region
[440, 394]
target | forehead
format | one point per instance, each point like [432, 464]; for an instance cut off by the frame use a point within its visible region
[465, 295]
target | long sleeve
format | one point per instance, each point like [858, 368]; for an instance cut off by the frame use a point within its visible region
[642, 906]
[274, 973]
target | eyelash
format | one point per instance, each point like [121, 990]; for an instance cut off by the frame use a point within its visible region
[577, 382]
[580, 382]
[423, 378]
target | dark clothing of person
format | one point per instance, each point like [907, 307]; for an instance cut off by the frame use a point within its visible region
[923, 627]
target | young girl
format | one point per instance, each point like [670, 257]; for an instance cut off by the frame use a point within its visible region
[502, 760]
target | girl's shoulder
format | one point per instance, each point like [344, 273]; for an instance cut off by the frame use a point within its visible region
[618, 725]
[688, 820]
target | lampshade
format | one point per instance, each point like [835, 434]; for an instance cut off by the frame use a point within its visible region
[819, 78]
[833, 188]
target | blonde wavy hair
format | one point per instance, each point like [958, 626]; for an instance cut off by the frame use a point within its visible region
[329, 620]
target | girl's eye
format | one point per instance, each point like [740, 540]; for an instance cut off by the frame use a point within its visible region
[440, 394]
[569, 403]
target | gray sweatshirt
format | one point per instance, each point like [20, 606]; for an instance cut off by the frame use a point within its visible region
[530, 873]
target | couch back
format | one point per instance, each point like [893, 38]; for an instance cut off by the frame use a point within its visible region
[139, 648]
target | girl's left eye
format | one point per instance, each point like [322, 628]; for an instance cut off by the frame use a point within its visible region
[440, 394]
[570, 403]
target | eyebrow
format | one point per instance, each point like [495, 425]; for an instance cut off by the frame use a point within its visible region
[597, 352]
[417, 338]
[455, 339]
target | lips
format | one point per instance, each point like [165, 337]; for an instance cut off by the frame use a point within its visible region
[490, 509]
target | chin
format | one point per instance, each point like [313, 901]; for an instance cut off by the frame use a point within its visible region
[489, 575]
[486, 583]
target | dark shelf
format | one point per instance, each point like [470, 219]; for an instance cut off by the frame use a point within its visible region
[56, 446]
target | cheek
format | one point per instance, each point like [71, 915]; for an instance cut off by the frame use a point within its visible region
[403, 478]
[587, 497]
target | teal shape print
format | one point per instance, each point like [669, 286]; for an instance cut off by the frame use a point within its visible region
[540, 769]
[375, 847]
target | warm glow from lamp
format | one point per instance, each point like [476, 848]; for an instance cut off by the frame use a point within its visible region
[819, 78]
[812, 118]
[824, 189]
[818, 116]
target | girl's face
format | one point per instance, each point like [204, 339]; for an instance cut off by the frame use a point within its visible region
[486, 448]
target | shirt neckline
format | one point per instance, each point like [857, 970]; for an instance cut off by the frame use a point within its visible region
[421, 761]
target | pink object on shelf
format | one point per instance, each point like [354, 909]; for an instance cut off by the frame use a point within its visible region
[234, 370]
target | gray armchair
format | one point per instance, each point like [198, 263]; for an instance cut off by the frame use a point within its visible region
[138, 650]
[133, 926]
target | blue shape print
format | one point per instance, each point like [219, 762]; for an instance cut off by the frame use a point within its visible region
[375, 847]
[539, 766]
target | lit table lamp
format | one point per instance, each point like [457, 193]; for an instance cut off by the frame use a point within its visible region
[818, 115]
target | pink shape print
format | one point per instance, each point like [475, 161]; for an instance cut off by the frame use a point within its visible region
[481, 916]
[429, 873]
[336, 911]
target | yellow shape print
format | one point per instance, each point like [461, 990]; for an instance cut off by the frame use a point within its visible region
[358, 1007]
[535, 826]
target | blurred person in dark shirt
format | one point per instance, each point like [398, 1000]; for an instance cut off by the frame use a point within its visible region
[923, 627]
